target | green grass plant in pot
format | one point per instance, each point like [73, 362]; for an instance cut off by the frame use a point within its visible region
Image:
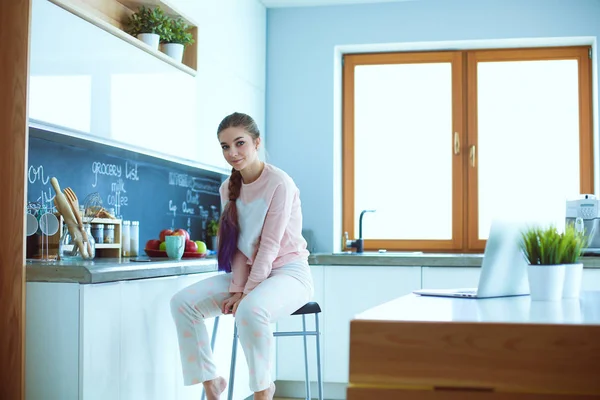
[178, 36]
[212, 231]
[150, 25]
[554, 269]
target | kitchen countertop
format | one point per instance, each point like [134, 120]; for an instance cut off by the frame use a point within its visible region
[413, 259]
[102, 270]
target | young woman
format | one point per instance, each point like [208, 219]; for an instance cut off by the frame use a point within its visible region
[264, 255]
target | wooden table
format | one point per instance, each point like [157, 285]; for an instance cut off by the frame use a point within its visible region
[434, 348]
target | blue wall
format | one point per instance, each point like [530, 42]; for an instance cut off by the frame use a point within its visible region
[300, 71]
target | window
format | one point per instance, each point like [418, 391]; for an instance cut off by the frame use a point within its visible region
[440, 143]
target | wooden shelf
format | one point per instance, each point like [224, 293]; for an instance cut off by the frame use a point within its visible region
[112, 16]
[101, 220]
[107, 246]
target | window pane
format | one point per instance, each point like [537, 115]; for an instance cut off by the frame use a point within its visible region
[403, 150]
[528, 138]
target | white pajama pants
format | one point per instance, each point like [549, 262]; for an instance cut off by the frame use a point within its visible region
[285, 290]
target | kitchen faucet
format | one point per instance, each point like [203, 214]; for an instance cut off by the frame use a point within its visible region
[358, 244]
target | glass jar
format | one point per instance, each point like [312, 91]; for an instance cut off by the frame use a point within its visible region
[68, 250]
[125, 238]
[98, 232]
[109, 233]
[134, 238]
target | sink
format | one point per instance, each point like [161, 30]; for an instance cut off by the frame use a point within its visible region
[379, 254]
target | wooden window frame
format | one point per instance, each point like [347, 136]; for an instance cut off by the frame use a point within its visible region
[465, 210]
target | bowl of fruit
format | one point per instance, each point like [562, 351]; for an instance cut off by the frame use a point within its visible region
[156, 248]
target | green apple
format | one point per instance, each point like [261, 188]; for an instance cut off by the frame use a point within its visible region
[163, 246]
[201, 246]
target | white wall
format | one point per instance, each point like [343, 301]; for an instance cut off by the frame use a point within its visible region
[231, 64]
[303, 80]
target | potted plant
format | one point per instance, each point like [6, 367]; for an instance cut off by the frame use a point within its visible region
[212, 230]
[176, 38]
[554, 270]
[150, 25]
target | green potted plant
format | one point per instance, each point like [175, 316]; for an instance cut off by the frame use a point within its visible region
[212, 230]
[177, 37]
[554, 269]
[150, 25]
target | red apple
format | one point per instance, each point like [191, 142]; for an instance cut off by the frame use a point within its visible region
[152, 244]
[191, 246]
[163, 233]
[182, 232]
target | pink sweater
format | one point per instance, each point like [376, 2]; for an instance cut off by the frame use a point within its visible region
[270, 220]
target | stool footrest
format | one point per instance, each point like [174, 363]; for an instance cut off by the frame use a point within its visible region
[296, 333]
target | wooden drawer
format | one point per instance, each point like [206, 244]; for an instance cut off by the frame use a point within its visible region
[515, 358]
[401, 394]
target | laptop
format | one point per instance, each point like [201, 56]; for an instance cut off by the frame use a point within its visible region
[503, 270]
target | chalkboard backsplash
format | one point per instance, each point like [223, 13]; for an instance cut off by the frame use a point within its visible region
[158, 193]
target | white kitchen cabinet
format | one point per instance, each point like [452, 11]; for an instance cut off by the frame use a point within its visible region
[450, 277]
[113, 341]
[100, 337]
[51, 337]
[290, 350]
[149, 360]
[350, 290]
[84, 79]
[222, 356]
[591, 279]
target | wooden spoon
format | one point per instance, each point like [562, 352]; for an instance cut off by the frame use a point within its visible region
[64, 207]
[72, 198]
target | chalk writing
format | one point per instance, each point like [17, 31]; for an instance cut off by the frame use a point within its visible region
[196, 185]
[186, 210]
[202, 185]
[35, 174]
[172, 208]
[192, 198]
[100, 168]
[131, 172]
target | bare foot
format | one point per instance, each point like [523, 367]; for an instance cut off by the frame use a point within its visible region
[267, 394]
[214, 388]
[271, 391]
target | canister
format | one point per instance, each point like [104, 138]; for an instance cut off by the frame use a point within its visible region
[109, 233]
[98, 232]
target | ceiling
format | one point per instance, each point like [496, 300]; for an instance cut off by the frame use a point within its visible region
[312, 3]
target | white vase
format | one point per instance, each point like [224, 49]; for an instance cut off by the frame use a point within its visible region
[546, 282]
[151, 39]
[173, 50]
[573, 276]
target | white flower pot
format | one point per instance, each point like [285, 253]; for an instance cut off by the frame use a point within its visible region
[546, 282]
[151, 39]
[173, 50]
[573, 276]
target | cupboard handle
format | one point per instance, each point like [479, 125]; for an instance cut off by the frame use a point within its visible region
[456, 144]
[472, 156]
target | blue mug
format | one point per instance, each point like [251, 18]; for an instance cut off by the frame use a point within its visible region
[175, 246]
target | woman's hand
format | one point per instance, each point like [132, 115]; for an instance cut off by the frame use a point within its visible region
[228, 304]
[237, 303]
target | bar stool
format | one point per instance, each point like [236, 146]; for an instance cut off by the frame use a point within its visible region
[308, 308]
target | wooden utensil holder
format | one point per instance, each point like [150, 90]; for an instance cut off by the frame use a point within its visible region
[103, 250]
